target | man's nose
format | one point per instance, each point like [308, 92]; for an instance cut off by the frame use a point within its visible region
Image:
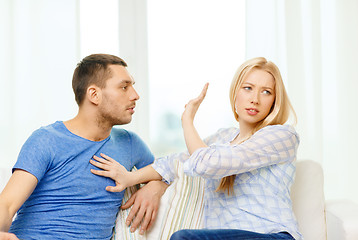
[134, 95]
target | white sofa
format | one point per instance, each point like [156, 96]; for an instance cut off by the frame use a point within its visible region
[318, 219]
[181, 207]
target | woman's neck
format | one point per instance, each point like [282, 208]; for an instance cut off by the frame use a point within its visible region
[245, 133]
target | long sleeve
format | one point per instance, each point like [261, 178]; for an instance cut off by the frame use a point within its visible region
[167, 166]
[270, 145]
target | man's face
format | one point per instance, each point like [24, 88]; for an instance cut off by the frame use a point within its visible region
[118, 98]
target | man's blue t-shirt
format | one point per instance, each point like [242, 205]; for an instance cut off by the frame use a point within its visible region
[70, 202]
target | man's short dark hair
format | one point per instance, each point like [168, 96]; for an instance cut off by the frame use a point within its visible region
[93, 69]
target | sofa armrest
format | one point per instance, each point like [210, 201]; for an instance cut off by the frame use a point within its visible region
[342, 220]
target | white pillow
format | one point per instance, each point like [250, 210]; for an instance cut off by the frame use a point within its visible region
[181, 207]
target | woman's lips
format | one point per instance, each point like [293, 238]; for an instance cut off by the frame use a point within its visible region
[252, 111]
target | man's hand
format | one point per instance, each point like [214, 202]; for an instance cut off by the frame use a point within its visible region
[7, 236]
[145, 206]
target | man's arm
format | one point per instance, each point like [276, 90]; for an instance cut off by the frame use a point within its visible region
[15, 193]
[145, 204]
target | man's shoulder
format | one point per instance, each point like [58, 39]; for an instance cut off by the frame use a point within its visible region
[123, 136]
[120, 133]
[48, 130]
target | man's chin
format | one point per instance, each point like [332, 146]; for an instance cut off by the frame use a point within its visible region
[123, 121]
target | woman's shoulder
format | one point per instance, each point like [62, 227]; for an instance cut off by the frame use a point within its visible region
[279, 130]
[221, 135]
[227, 130]
[280, 127]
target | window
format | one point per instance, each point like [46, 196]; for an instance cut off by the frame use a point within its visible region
[98, 29]
[191, 43]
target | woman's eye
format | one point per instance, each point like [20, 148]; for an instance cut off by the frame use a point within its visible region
[124, 88]
[247, 88]
[267, 92]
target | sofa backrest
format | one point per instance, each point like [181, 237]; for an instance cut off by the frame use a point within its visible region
[308, 200]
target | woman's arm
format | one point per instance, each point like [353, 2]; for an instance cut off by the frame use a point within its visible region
[270, 145]
[192, 138]
[122, 177]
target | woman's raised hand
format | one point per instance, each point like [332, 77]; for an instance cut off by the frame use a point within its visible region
[114, 170]
[193, 105]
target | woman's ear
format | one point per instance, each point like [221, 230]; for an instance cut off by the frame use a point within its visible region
[94, 94]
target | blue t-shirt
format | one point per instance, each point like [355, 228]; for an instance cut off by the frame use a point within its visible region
[69, 202]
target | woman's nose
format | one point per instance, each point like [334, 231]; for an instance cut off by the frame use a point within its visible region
[255, 98]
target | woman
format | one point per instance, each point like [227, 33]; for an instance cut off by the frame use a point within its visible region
[248, 170]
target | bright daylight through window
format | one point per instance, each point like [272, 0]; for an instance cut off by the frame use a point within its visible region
[187, 48]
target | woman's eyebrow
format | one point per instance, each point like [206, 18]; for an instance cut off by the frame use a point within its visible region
[249, 83]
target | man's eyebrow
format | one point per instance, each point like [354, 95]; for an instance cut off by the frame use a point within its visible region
[128, 82]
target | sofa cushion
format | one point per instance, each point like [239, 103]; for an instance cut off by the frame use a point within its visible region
[181, 207]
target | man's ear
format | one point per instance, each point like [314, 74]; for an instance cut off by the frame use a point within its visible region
[94, 94]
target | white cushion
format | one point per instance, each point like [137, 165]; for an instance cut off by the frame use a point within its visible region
[184, 204]
[181, 207]
[308, 200]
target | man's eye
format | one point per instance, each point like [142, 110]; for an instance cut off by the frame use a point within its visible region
[125, 87]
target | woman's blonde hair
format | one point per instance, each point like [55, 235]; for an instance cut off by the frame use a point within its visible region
[280, 111]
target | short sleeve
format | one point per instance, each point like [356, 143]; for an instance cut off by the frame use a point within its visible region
[141, 155]
[35, 155]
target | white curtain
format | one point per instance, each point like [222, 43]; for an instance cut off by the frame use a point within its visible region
[315, 44]
[39, 49]
[41, 43]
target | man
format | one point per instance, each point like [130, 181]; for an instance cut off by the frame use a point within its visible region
[52, 181]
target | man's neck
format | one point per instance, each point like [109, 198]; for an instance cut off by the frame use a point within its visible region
[86, 127]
